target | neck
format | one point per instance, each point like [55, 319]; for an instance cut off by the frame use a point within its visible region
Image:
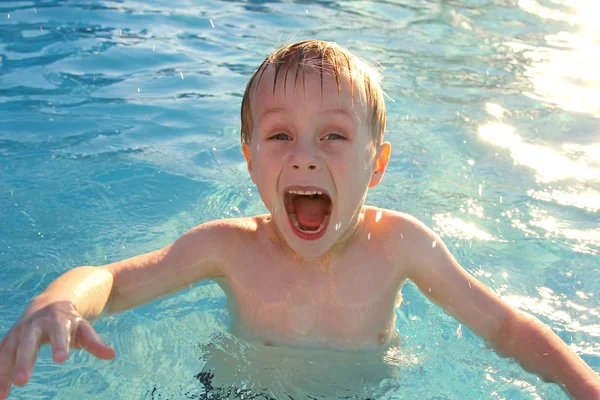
[348, 239]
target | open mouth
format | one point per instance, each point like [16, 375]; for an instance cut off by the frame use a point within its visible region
[308, 211]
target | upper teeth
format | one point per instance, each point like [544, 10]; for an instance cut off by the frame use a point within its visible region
[305, 193]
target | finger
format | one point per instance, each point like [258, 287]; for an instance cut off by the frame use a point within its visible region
[91, 341]
[7, 358]
[60, 339]
[27, 351]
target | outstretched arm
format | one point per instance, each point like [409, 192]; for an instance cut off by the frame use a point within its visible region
[511, 333]
[56, 317]
[59, 315]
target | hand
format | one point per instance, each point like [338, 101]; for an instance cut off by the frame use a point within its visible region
[58, 324]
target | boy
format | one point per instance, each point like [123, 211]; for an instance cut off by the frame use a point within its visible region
[321, 269]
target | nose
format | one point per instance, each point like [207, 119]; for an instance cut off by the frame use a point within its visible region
[309, 167]
[305, 158]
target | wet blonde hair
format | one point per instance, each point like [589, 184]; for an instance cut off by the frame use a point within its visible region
[322, 57]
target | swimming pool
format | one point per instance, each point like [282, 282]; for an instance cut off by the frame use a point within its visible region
[119, 130]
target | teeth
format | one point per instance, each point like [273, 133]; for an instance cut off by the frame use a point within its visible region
[297, 225]
[305, 193]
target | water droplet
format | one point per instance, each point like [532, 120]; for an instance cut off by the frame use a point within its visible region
[138, 90]
[8, 16]
[501, 200]
[480, 190]
[369, 236]
[181, 73]
[153, 47]
[378, 216]
[433, 244]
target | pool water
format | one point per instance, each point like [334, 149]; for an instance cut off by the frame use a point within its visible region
[119, 130]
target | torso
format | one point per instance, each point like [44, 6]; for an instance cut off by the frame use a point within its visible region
[345, 302]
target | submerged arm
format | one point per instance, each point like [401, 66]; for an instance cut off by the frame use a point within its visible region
[439, 276]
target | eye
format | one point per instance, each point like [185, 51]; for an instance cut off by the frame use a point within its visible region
[334, 136]
[281, 136]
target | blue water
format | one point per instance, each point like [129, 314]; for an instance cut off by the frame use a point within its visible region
[119, 131]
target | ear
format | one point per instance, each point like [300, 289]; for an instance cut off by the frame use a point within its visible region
[248, 157]
[381, 163]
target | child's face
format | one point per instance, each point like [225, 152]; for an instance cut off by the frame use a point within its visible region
[312, 158]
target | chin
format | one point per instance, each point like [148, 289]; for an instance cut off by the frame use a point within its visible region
[309, 249]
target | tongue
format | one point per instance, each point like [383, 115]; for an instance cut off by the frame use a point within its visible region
[310, 213]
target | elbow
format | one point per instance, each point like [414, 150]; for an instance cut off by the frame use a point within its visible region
[520, 336]
[111, 279]
[505, 339]
[95, 292]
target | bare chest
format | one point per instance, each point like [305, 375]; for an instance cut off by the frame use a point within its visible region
[347, 301]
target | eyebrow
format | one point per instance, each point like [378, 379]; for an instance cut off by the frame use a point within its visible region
[337, 110]
[352, 116]
[272, 111]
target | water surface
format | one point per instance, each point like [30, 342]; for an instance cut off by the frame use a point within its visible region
[119, 130]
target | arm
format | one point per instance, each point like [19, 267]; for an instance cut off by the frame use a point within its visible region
[512, 334]
[58, 315]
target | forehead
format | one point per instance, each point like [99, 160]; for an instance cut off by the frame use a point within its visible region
[298, 87]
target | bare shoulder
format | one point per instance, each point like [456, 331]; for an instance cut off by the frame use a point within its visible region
[395, 224]
[403, 235]
[423, 250]
[222, 234]
[204, 252]
[231, 225]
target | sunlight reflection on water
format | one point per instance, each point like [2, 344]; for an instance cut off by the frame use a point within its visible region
[565, 71]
